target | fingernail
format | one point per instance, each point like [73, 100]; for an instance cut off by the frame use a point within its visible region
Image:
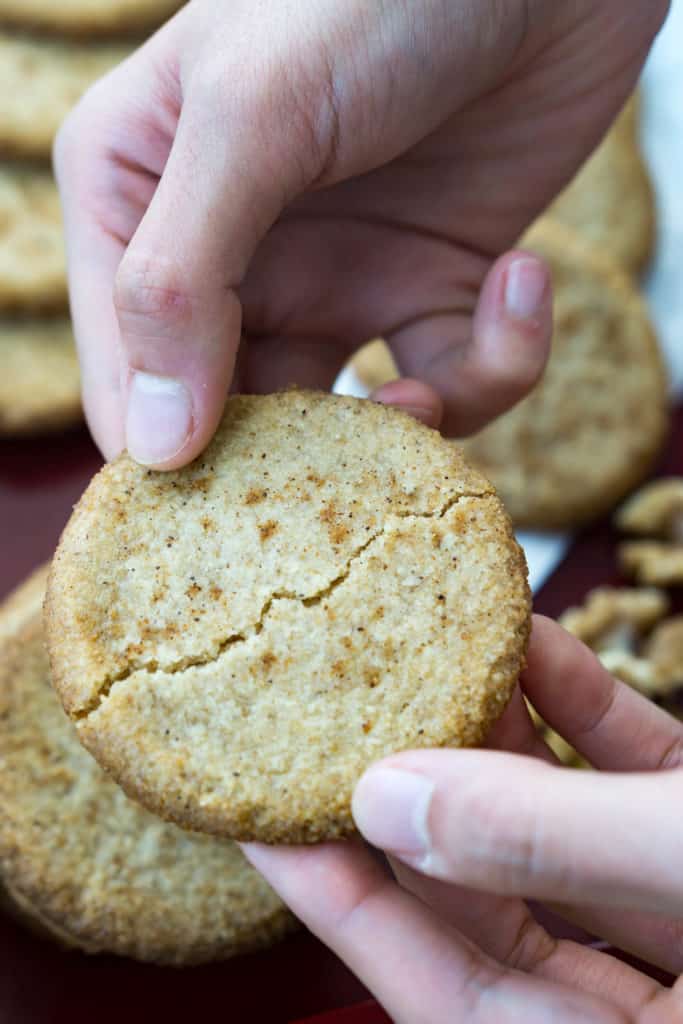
[525, 288]
[391, 809]
[159, 418]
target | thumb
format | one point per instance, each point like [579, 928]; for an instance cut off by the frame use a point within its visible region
[176, 287]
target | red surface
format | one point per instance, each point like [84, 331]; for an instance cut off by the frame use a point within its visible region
[39, 984]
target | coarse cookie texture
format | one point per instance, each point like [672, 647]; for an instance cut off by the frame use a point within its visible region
[88, 17]
[32, 257]
[611, 201]
[328, 583]
[80, 861]
[40, 381]
[592, 427]
[43, 80]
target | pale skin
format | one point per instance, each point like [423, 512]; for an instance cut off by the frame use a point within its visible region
[305, 176]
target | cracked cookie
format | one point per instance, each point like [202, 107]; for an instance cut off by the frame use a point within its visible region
[80, 861]
[328, 583]
[590, 430]
[87, 17]
[32, 257]
[611, 201]
[40, 380]
[43, 80]
[656, 512]
[615, 623]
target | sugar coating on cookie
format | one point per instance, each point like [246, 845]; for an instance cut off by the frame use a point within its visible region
[328, 583]
[591, 429]
[32, 258]
[611, 201]
[87, 17]
[40, 380]
[86, 865]
[44, 80]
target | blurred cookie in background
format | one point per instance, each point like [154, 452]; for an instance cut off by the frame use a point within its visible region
[42, 80]
[82, 863]
[88, 17]
[611, 201]
[32, 257]
[591, 429]
[40, 380]
[374, 365]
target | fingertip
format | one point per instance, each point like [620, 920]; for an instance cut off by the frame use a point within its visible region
[513, 326]
[413, 397]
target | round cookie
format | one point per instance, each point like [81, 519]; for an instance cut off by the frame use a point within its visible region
[43, 80]
[592, 427]
[611, 201]
[328, 583]
[40, 381]
[83, 863]
[88, 17]
[32, 257]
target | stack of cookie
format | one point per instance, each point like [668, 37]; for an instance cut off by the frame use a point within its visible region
[592, 428]
[51, 51]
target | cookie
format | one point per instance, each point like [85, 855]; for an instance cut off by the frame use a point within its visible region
[615, 623]
[374, 365]
[327, 584]
[591, 429]
[43, 80]
[88, 17]
[40, 382]
[22, 604]
[611, 201]
[83, 863]
[32, 257]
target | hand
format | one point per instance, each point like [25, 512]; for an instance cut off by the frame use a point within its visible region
[315, 174]
[472, 834]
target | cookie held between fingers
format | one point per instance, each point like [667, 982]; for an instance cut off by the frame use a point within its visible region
[328, 583]
[610, 202]
[43, 80]
[32, 257]
[88, 17]
[590, 430]
[40, 379]
[81, 862]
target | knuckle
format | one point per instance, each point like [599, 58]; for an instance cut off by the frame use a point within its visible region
[147, 286]
[504, 844]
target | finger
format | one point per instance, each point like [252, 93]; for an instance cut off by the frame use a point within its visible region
[419, 968]
[513, 825]
[102, 201]
[414, 398]
[516, 732]
[482, 365]
[505, 929]
[654, 938]
[614, 727]
[277, 362]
